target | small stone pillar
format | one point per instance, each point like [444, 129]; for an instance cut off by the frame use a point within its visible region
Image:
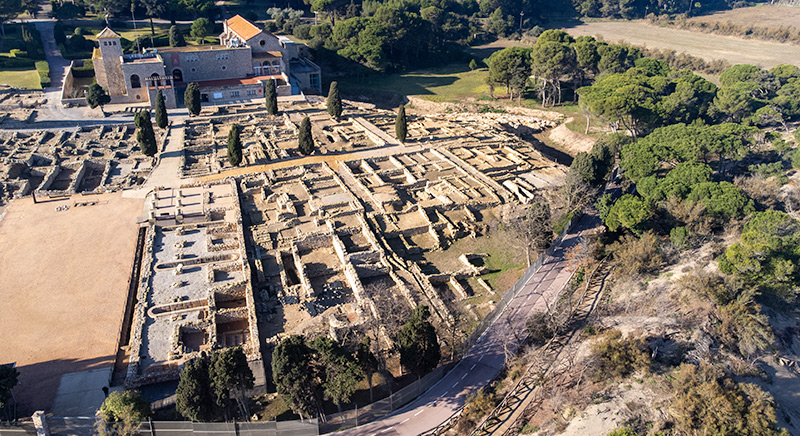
[40, 422]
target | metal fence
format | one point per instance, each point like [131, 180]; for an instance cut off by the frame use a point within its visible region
[492, 316]
[381, 408]
[83, 426]
[23, 428]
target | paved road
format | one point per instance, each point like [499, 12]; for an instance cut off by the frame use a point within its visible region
[487, 357]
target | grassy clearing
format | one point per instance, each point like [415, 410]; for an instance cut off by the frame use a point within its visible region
[26, 78]
[448, 83]
[762, 16]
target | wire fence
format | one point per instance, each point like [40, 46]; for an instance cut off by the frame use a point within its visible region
[381, 408]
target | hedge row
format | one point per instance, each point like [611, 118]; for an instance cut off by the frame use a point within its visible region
[9, 62]
[84, 71]
[44, 73]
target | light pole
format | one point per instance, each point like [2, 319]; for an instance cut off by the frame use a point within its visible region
[521, 13]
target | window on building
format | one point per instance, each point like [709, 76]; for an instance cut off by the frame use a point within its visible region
[262, 43]
[135, 82]
[314, 78]
[217, 96]
[192, 58]
[223, 68]
[234, 93]
[113, 42]
[251, 92]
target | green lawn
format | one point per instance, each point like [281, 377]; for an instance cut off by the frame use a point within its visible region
[452, 82]
[20, 78]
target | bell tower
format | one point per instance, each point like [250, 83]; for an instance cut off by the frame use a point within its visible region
[111, 58]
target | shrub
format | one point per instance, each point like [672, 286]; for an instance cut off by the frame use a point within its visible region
[619, 357]
[9, 62]
[707, 402]
[43, 68]
[84, 71]
[302, 31]
[679, 236]
[633, 256]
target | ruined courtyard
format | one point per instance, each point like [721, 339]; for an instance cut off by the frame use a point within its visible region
[349, 239]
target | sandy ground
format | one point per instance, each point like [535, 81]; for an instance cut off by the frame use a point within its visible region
[704, 45]
[571, 142]
[63, 283]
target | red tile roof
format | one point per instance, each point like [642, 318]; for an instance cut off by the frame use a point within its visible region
[245, 81]
[245, 29]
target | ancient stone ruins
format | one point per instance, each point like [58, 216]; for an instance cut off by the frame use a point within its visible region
[335, 242]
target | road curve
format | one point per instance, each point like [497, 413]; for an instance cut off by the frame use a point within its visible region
[486, 358]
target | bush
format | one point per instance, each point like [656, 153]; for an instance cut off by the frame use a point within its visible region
[84, 71]
[33, 42]
[302, 31]
[619, 357]
[634, 256]
[43, 68]
[708, 403]
[9, 62]
[679, 236]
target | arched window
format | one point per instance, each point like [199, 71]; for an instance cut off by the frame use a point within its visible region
[157, 81]
[135, 83]
[177, 75]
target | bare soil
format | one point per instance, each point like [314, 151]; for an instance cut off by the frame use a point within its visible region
[63, 277]
[707, 46]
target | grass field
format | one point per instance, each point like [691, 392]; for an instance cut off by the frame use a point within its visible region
[20, 78]
[707, 46]
[452, 82]
[761, 16]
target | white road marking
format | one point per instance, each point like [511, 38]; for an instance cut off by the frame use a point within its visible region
[445, 393]
[465, 375]
[480, 358]
[386, 429]
[419, 412]
[404, 421]
[454, 385]
[473, 366]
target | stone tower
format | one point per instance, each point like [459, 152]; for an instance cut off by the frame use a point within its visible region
[111, 77]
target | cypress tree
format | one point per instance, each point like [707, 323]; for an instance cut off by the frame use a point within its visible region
[161, 111]
[191, 97]
[145, 134]
[334, 101]
[305, 140]
[234, 146]
[400, 126]
[176, 37]
[419, 348]
[193, 397]
[271, 97]
[97, 96]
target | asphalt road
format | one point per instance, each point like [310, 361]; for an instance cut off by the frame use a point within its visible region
[486, 358]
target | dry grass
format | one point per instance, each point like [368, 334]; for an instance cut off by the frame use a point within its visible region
[707, 46]
[761, 16]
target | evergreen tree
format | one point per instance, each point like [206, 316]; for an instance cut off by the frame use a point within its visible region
[271, 97]
[176, 37]
[9, 377]
[419, 348]
[339, 371]
[193, 397]
[161, 111]
[234, 146]
[230, 376]
[145, 134]
[294, 377]
[191, 97]
[400, 124]
[367, 361]
[96, 96]
[334, 101]
[305, 140]
[123, 413]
